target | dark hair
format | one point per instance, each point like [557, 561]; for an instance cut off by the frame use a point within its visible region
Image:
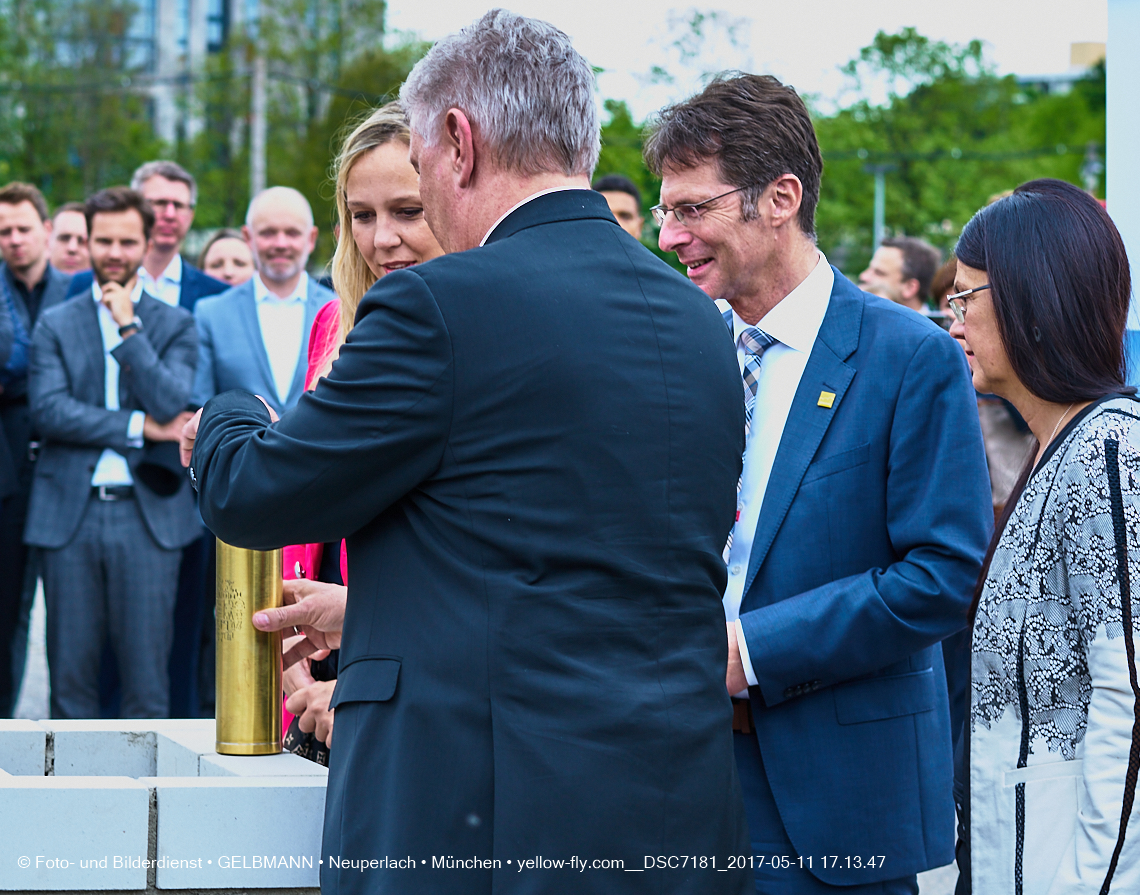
[943, 282]
[1060, 287]
[16, 193]
[920, 261]
[119, 198]
[618, 183]
[755, 128]
[69, 206]
[219, 235]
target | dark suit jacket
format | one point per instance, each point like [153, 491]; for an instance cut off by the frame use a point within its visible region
[66, 390]
[869, 542]
[533, 447]
[15, 429]
[195, 285]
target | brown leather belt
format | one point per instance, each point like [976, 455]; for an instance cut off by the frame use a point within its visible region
[742, 716]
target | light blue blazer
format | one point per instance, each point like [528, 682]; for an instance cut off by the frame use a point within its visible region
[231, 351]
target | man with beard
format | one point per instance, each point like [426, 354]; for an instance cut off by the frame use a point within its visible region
[109, 376]
[532, 444]
[256, 336]
[28, 285]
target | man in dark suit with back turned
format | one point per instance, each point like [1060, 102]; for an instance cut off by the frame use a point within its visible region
[110, 374]
[862, 517]
[532, 445]
[28, 286]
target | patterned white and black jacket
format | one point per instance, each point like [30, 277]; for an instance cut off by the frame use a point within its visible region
[1055, 710]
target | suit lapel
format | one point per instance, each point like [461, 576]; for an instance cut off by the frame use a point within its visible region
[247, 311]
[314, 301]
[88, 340]
[808, 422]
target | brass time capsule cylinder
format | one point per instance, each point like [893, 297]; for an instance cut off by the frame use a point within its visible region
[248, 701]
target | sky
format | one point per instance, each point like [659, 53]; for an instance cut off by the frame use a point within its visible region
[802, 42]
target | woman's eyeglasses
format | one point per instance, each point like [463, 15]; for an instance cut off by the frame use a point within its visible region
[957, 302]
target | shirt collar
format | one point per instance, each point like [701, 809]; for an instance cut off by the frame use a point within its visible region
[261, 292]
[136, 293]
[518, 205]
[796, 319]
[173, 270]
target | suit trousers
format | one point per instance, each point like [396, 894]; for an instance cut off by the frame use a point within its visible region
[776, 861]
[113, 582]
[14, 605]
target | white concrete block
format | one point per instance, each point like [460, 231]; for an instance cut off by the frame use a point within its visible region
[22, 747]
[178, 751]
[239, 833]
[60, 833]
[286, 764]
[127, 753]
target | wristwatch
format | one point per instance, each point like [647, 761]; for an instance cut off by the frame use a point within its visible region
[135, 325]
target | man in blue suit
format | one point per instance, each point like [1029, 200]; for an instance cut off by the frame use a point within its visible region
[862, 511]
[256, 336]
[172, 193]
[532, 444]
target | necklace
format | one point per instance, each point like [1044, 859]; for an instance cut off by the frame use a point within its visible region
[1058, 426]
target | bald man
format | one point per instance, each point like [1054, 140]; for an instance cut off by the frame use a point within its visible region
[255, 336]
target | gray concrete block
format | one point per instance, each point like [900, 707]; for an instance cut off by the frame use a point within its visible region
[73, 833]
[239, 832]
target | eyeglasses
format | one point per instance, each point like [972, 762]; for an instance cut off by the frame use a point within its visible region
[174, 204]
[689, 214]
[957, 302]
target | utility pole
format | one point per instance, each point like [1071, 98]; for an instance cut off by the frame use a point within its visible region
[257, 129]
[880, 171]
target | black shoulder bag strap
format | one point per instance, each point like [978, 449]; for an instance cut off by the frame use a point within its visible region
[1111, 456]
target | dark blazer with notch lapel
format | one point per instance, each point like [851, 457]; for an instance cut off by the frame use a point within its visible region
[868, 545]
[533, 447]
[66, 379]
[231, 350]
[195, 285]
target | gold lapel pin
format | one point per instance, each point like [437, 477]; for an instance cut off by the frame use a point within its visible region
[826, 399]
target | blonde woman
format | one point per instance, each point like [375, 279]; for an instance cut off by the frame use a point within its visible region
[381, 229]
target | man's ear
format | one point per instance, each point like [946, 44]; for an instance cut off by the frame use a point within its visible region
[909, 289]
[461, 145]
[785, 195]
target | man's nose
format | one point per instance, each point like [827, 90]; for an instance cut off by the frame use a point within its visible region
[672, 235]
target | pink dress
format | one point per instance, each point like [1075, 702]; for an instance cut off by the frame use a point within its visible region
[304, 560]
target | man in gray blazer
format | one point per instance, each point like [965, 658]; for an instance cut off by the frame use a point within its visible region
[28, 285]
[256, 336]
[110, 373]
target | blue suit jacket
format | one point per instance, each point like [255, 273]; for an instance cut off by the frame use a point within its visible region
[870, 540]
[231, 352]
[195, 285]
[534, 448]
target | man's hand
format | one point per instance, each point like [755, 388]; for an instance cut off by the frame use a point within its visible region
[316, 608]
[190, 432]
[117, 300]
[734, 680]
[311, 706]
[153, 430]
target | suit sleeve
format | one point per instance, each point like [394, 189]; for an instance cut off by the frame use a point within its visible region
[161, 382]
[371, 431]
[205, 384]
[938, 520]
[58, 416]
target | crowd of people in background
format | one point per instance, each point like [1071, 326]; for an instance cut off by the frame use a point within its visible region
[884, 665]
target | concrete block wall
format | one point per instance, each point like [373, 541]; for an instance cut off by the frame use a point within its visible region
[149, 806]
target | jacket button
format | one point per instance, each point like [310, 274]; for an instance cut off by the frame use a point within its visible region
[789, 693]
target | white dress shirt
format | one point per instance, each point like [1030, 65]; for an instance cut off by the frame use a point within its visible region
[112, 467]
[794, 323]
[167, 286]
[282, 322]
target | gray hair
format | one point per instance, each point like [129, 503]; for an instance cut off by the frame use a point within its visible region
[524, 87]
[169, 170]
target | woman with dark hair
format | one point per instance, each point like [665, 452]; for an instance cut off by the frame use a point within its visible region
[1042, 292]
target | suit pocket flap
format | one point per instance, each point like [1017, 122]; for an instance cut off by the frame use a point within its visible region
[890, 696]
[826, 466]
[371, 679]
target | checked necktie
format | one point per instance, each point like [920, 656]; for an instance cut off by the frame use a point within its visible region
[754, 342]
